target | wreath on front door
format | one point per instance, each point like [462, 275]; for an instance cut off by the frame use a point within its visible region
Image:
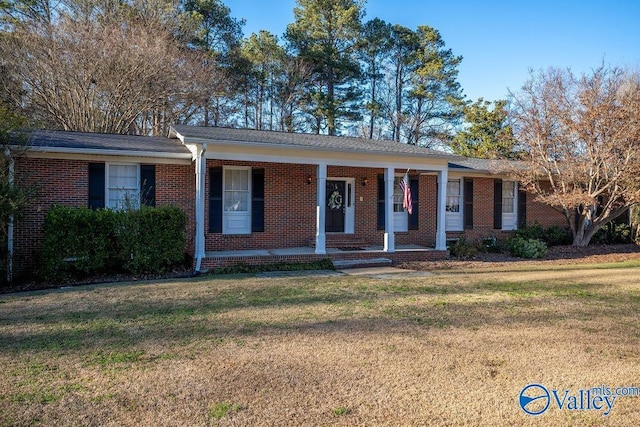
[335, 200]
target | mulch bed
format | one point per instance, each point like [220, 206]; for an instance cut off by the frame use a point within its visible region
[557, 255]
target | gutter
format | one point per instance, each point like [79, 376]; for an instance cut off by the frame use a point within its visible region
[200, 165]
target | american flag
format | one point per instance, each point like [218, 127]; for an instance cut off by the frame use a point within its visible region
[406, 193]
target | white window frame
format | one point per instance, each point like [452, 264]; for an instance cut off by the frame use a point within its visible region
[108, 188]
[400, 216]
[236, 222]
[454, 220]
[510, 219]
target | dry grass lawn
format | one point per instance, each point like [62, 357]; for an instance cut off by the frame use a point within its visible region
[454, 348]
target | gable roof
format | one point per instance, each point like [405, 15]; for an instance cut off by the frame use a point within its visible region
[197, 134]
[100, 143]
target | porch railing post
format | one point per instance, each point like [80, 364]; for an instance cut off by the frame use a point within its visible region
[441, 235]
[389, 234]
[321, 209]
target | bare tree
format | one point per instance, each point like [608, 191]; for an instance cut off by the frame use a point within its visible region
[581, 142]
[116, 74]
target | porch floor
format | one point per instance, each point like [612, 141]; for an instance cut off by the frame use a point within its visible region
[306, 250]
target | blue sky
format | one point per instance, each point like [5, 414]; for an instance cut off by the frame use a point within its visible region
[498, 40]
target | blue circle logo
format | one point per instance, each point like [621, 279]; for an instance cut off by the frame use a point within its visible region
[534, 399]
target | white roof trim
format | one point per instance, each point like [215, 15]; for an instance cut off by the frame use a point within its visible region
[243, 144]
[33, 151]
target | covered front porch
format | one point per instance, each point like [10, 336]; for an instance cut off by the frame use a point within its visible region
[266, 197]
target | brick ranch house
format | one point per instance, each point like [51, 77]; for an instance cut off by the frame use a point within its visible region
[261, 196]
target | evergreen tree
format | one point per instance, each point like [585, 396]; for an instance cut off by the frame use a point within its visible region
[487, 133]
[375, 46]
[325, 34]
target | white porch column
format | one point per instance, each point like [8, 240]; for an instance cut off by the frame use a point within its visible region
[201, 171]
[441, 235]
[389, 235]
[321, 209]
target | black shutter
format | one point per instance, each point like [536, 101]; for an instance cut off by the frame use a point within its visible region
[215, 200]
[96, 185]
[257, 200]
[148, 185]
[413, 218]
[467, 212]
[497, 204]
[381, 208]
[522, 209]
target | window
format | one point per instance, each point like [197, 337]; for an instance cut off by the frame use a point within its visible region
[123, 186]
[237, 200]
[508, 197]
[236, 190]
[453, 196]
[398, 196]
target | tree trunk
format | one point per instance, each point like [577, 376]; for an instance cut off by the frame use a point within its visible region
[373, 100]
[331, 112]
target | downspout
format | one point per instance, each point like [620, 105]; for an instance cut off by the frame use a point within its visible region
[201, 164]
[10, 222]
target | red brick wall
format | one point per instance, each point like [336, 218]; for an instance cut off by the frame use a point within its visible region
[483, 213]
[543, 213]
[65, 182]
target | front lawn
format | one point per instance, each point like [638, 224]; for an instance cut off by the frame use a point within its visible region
[453, 348]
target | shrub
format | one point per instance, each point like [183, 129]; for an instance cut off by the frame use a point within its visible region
[613, 233]
[81, 242]
[552, 236]
[556, 236]
[151, 239]
[73, 243]
[491, 245]
[526, 248]
[463, 249]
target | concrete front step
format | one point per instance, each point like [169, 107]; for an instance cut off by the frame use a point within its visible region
[343, 264]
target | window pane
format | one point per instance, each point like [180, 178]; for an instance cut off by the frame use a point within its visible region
[507, 205]
[453, 203]
[123, 176]
[508, 197]
[236, 201]
[123, 186]
[398, 197]
[508, 188]
[453, 188]
[453, 196]
[236, 179]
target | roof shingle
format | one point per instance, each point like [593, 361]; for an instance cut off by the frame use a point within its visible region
[322, 142]
[50, 139]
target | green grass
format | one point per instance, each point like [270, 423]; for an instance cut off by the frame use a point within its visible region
[223, 409]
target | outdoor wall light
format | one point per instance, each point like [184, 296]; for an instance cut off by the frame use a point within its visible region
[309, 179]
[365, 181]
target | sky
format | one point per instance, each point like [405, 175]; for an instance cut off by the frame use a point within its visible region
[500, 41]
